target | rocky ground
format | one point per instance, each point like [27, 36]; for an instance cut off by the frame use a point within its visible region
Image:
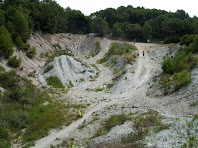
[128, 96]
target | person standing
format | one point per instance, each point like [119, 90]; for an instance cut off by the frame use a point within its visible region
[143, 53]
[134, 41]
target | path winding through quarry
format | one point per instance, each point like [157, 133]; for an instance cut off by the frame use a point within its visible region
[134, 93]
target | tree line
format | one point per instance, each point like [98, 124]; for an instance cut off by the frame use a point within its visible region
[20, 18]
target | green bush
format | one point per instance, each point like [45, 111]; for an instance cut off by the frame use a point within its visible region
[181, 79]
[55, 82]
[31, 52]
[168, 65]
[117, 49]
[171, 39]
[187, 39]
[14, 62]
[19, 42]
[6, 43]
[166, 81]
[120, 49]
[181, 61]
[194, 45]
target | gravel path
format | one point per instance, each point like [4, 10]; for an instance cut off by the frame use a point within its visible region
[134, 92]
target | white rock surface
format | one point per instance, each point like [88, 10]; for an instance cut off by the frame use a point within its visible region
[67, 69]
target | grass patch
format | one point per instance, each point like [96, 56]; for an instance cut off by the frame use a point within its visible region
[172, 83]
[117, 49]
[53, 115]
[50, 67]
[94, 66]
[116, 71]
[55, 82]
[176, 69]
[23, 106]
[111, 122]
[58, 53]
[143, 123]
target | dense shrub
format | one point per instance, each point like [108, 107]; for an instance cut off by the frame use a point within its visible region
[6, 44]
[55, 82]
[168, 65]
[181, 79]
[20, 44]
[14, 62]
[120, 49]
[117, 49]
[176, 68]
[171, 39]
[194, 45]
[187, 39]
[166, 81]
[181, 61]
[31, 52]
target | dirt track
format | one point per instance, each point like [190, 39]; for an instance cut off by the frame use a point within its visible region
[135, 93]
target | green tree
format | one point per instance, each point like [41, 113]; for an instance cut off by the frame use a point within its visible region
[2, 17]
[147, 31]
[116, 30]
[19, 42]
[194, 45]
[132, 31]
[181, 14]
[76, 21]
[6, 43]
[100, 26]
[110, 15]
[20, 22]
[14, 62]
[176, 27]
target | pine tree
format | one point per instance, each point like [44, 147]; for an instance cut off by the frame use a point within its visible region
[6, 43]
[147, 31]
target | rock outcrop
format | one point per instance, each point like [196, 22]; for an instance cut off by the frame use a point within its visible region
[68, 70]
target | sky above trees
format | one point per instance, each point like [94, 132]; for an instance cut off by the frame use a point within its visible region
[89, 6]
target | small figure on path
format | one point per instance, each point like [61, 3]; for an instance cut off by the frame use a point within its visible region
[143, 53]
[134, 41]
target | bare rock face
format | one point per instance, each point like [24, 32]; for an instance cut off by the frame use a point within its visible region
[68, 70]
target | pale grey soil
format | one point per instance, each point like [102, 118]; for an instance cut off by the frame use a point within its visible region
[128, 95]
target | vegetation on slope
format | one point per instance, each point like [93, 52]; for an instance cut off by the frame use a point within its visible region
[177, 69]
[118, 49]
[21, 18]
[23, 106]
[55, 82]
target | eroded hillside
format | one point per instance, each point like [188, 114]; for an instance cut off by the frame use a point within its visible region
[117, 99]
